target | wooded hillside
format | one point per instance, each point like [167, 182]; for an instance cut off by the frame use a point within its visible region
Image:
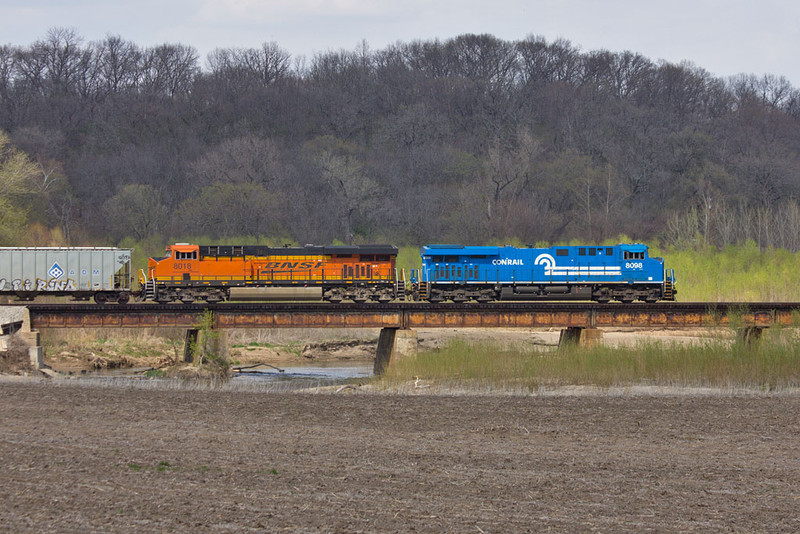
[471, 140]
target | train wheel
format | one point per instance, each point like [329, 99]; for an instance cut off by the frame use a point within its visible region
[123, 298]
[100, 298]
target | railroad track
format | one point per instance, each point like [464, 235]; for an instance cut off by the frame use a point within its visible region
[267, 307]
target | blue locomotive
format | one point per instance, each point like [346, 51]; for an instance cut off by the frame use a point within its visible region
[621, 272]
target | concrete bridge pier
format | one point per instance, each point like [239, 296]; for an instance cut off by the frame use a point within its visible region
[17, 320]
[749, 335]
[578, 335]
[200, 342]
[393, 344]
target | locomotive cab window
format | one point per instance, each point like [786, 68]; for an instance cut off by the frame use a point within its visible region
[186, 255]
[634, 255]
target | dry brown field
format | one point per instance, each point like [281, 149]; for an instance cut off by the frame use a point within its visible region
[79, 456]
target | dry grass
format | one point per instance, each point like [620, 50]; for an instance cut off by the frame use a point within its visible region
[769, 365]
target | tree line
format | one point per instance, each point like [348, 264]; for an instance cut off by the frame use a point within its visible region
[472, 139]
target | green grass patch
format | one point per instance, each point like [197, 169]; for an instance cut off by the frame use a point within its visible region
[741, 273]
[770, 364]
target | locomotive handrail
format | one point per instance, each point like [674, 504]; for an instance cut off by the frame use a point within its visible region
[282, 278]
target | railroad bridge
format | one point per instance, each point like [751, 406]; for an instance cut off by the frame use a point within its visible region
[580, 322]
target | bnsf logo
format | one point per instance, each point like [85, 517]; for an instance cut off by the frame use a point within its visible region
[292, 265]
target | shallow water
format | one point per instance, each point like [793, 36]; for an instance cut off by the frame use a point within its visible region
[315, 373]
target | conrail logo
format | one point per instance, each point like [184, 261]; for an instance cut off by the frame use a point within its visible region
[292, 265]
[507, 261]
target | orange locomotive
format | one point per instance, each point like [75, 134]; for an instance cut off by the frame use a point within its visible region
[188, 273]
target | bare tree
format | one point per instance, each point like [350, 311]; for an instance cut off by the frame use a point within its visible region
[137, 211]
[119, 64]
[231, 210]
[169, 69]
[247, 159]
[356, 192]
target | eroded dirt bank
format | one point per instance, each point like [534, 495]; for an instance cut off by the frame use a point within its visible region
[78, 457]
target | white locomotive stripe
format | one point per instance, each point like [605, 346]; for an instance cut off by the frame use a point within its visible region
[581, 269]
[561, 272]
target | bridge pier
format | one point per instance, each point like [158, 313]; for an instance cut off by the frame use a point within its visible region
[577, 335]
[17, 320]
[749, 335]
[394, 343]
[199, 342]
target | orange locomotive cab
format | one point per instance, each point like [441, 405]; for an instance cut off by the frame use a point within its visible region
[215, 273]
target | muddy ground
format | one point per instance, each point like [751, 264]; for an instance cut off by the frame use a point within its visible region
[77, 456]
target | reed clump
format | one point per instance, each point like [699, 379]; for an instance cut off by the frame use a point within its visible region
[772, 363]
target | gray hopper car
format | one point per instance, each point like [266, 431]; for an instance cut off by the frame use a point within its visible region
[102, 273]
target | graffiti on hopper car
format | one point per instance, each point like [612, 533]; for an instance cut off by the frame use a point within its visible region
[38, 284]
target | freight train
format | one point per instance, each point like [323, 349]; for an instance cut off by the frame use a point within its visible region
[364, 273]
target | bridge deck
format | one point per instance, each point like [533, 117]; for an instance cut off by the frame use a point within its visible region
[417, 315]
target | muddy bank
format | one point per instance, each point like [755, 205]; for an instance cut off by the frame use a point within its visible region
[79, 457]
[89, 350]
